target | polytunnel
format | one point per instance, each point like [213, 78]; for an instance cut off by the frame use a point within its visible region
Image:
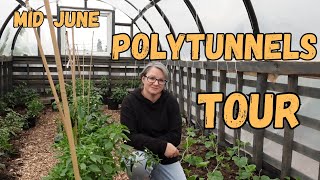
[277, 152]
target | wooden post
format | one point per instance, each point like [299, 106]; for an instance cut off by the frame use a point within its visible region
[239, 88]
[288, 134]
[198, 90]
[39, 34]
[10, 75]
[221, 126]
[5, 72]
[125, 70]
[170, 82]
[181, 90]
[174, 80]
[209, 82]
[1, 79]
[28, 73]
[43, 79]
[189, 99]
[258, 135]
[319, 170]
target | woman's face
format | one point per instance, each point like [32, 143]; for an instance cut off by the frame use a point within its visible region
[156, 75]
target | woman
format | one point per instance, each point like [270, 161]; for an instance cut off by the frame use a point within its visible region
[153, 118]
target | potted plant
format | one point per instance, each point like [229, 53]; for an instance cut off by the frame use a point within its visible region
[118, 94]
[3, 107]
[34, 109]
[105, 89]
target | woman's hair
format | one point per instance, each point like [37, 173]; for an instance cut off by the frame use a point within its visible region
[155, 64]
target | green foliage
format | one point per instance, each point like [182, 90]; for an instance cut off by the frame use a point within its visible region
[100, 148]
[13, 122]
[82, 89]
[193, 177]
[3, 107]
[119, 93]
[104, 87]
[216, 175]
[100, 151]
[10, 125]
[2, 166]
[34, 108]
[134, 83]
[246, 170]
[4, 140]
[20, 95]
[152, 159]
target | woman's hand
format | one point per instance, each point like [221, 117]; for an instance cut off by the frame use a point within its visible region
[171, 151]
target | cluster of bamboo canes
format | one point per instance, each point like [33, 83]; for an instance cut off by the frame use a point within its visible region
[64, 108]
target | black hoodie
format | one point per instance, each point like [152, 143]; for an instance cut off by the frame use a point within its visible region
[152, 125]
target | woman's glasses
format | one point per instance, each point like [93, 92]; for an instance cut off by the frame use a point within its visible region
[152, 79]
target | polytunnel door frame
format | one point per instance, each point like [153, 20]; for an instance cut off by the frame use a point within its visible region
[110, 14]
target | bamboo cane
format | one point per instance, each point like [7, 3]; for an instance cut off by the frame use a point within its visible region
[90, 72]
[83, 73]
[74, 71]
[72, 59]
[73, 68]
[78, 62]
[74, 93]
[53, 88]
[63, 93]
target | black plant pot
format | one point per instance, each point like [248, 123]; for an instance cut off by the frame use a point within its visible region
[32, 122]
[105, 99]
[112, 105]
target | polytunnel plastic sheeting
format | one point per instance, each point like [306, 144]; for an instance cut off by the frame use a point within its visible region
[179, 16]
[135, 30]
[287, 16]
[120, 17]
[160, 27]
[46, 41]
[9, 7]
[99, 4]
[181, 20]
[124, 7]
[42, 8]
[139, 4]
[144, 27]
[123, 29]
[26, 44]
[219, 17]
[7, 39]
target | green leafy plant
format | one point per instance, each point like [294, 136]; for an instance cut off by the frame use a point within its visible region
[3, 107]
[118, 94]
[34, 108]
[2, 166]
[20, 95]
[4, 140]
[134, 83]
[100, 151]
[104, 87]
[152, 159]
[10, 125]
[215, 175]
[82, 89]
[13, 122]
